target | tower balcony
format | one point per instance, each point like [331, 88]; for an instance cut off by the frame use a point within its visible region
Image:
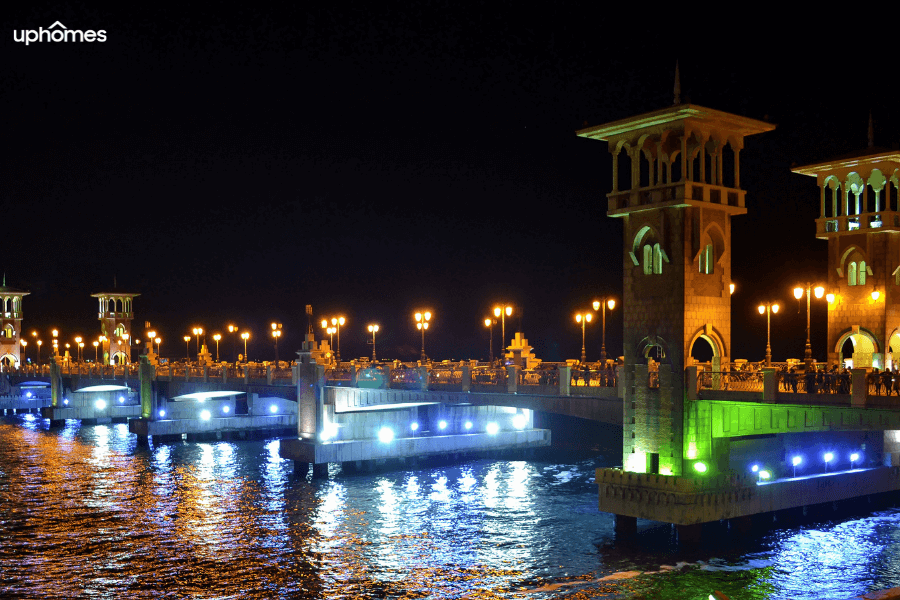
[682, 193]
[115, 315]
[886, 220]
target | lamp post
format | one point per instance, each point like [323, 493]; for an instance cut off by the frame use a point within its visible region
[768, 309]
[798, 294]
[330, 331]
[55, 334]
[233, 331]
[503, 312]
[197, 331]
[489, 323]
[152, 336]
[39, 344]
[158, 342]
[81, 351]
[79, 345]
[336, 323]
[604, 302]
[187, 347]
[25, 350]
[96, 351]
[583, 318]
[245, 336]
[276, 333]
[373, 329]
[217, 337]
[422, 319]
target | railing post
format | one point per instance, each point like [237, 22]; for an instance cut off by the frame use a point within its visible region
[225, 374]
[205, 373]
[770, 384]
[246, 374]
[187, 372]
[690, 380]
[512, 379]
[565, 380]
[354, 374]
[466, 378]
[859, 387]
[269, 374]
[423, 377]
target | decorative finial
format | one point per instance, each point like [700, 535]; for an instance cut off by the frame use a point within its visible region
[871, 131]
[677, 85]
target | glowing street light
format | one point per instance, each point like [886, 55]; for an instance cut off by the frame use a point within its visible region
[217, 337]
[39, 343]
[489, 323]
[422, 319]
[853, 458]
[584, 319]
[197, 331]
[233, 331]
[798, 293]
[796, 461]
[245, 336]
[828, 457]
[336, 323]
[158, 342]
[187, 347]
[503, 312]
[96, 351]
[79, 345]
[373, 329]
[767, 309]
[276, 333]
[604, 302]
[25, 350]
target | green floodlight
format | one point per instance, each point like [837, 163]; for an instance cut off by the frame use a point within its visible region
[700, 467]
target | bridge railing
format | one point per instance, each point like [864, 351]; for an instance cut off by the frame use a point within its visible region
[445, 378]
[489, 379]
[734, 381]
[338, 376]
[406, 378]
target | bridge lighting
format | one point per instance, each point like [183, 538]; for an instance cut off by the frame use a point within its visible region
[442, 424]
[519, 421]
[492, 428]
[414, 426]
[422, 319]
[875, 295]
[468, 425]
[755, 468]
[28, 395]
[273, 409]
[830, 298]
[764, 474]
[205, 415]
[700, 467]
[162, 414]
[385, 435]
[66, 401]
[828, 456]
[225, 409]
[796, 461]
[853, 458]
[583, 318]
[121, 400]
[100, 404]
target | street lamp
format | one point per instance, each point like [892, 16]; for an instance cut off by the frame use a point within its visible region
[330, 331]
[583, 319]
[25, 350]
[233, 331]
[81, 351]
[503, 312]
[79, 345]
[187, 347]
[336, 323]
[489, 323]
[422, 319]
[798, 293]
[373, 329]
[217, 337]
[276, 333]
[604, 302]
[158, 342]
[245, 336]
[768, 309]
[39, 343]
[96, 351]
[197, 331]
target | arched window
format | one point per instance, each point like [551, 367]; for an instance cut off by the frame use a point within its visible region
[861, 274]
[851, 274]
[120, 330]
[707, 260]
[648, 259]
[9, 332]
[657, 259]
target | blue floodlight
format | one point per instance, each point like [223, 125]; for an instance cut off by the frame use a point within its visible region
[754, 468]
[492, 428]
[100, 404]
[442, 424]
[273, 409]
[796, 461]
[414, 426]
[121, 400]
[205, 415]
[162, 413]
[853, 458]
[519, 421]
[386, 435]
[225, 409]
[468, 424]
[828, 458]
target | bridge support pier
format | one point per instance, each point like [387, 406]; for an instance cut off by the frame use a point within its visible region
[625, 526]
[320, 470]
[689, 534]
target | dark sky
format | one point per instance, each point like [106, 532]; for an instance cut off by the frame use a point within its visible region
[235, 165]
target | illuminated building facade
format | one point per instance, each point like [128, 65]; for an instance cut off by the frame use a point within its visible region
[10, 324]
[116, 314]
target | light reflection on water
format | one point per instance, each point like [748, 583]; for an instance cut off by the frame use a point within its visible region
[84, 511]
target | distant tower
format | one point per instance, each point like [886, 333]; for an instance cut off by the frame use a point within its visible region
[10, 324]
[116, 314]
[860, 217]
[676, 185]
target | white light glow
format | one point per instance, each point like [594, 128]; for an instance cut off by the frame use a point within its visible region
[100, 404]
[225, 409]
[385, 435]
[468, 424]
[205, 415]
[519, 421]
[103, 388]
[442, 425]
[414, 426]
[162, 414]
[121, 399]
[273, 409]
[66, 401]
[492, 428]
[828, 457]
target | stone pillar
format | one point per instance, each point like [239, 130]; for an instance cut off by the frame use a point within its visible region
[423, 377]
[466, 378]
[858, 387]
[251, 401]
[147, 371]
[512, 378]
[770, 384]
[565, 380]
[225, 374]
[55, 383]
[310, 400]
[246, 374]
[268, 374]
[354, 374]
[690, 382]
[187, 372]
[205, 373]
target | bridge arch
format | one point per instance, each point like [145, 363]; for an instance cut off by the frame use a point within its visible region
[711, 337]
[9, 360]
[654, 347]
[866, 351]
[119, 358]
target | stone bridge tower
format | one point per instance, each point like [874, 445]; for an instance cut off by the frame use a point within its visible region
[116, 314]
[676, 185]
[860, 217]
[10, 325]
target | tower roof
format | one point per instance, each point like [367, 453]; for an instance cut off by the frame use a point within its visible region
[5, 289]
[681, 114]
[114, 295]
[864, 160]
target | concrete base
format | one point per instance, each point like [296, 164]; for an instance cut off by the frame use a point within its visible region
[175, 428]
[88, 413]
[308, 451]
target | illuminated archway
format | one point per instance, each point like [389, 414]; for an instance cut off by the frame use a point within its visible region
[866, 352]
[119, 358]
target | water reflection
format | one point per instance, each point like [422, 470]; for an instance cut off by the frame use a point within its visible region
[86, 512]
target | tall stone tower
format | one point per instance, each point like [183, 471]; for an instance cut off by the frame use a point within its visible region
[116, 314]
[860, 217]
[10, 324]
[676, 185]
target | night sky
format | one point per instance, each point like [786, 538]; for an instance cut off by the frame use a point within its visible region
[234, 166]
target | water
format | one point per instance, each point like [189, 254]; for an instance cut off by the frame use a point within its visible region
[85, 513]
